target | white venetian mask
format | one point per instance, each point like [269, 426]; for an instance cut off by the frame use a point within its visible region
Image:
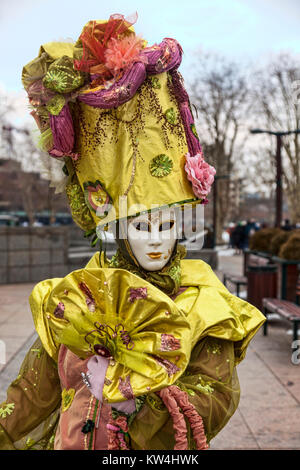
[152, 238]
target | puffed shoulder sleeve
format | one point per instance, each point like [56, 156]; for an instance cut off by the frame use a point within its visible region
[38, 303]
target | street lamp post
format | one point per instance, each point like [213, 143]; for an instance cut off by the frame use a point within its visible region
[278, 216]
[215, 209]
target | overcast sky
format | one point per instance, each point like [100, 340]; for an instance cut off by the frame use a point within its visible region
[239, 29]
[247, 31]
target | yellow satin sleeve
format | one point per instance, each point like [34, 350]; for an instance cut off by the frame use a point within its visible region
[214, 311]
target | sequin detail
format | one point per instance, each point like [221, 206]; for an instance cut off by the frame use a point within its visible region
[97, 198]
[175, 273]
[109, 121]
[89, 299]
[80, 211]
[60, 310]
[38, 352]
[171, 115]
[170, 367]
[155, 402]
[137, 294]
[204, 386]
[155, 83]
[56, 104]
[194, 131]
[29, 443]
[161, 166]
[85, 379]
[7, 409]
[125, 387]
[67, 398]
[169, 343]
[214, 348]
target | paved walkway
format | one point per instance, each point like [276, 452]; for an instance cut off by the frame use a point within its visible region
[16, 324]
[268, 416]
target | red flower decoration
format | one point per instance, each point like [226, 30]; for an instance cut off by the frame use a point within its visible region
[200, 174]
[121, 53]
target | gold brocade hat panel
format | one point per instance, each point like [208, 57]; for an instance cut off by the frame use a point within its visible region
[132, 157]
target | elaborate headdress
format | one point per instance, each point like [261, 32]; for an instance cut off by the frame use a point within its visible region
[117, 113]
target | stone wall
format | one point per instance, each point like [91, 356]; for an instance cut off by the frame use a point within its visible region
[208, 255]
[32, 254]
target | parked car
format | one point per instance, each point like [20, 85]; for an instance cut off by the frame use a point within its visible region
[8, 220]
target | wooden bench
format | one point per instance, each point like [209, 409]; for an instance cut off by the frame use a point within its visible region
[286, 309]
[236, 280]
[242, 280]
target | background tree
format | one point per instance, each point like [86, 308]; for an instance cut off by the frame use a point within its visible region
[18, 143]
[219, 91]
[277, 108]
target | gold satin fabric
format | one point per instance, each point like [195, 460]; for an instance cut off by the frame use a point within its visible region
[145, 320]
[205, 308]
[210, 308]
[114, 150]
[220, 327]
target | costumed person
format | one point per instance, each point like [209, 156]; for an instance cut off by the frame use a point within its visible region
[140, 351]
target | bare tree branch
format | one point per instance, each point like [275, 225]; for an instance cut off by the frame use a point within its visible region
[276, 110]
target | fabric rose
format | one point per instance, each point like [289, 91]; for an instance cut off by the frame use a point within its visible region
[200, 174]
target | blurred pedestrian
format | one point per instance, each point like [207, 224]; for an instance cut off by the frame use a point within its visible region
[238, 238]
[250, 229]
[230, 230]
[286, 226]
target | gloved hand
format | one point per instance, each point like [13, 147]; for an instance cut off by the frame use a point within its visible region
[97, 366]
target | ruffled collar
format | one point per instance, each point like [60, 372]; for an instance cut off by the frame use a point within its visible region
[168, 279]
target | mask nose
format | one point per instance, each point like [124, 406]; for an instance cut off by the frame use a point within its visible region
[155, 243]
[155, 236]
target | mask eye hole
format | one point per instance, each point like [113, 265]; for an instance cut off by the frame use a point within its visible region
[142, 226]
[166, 225]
